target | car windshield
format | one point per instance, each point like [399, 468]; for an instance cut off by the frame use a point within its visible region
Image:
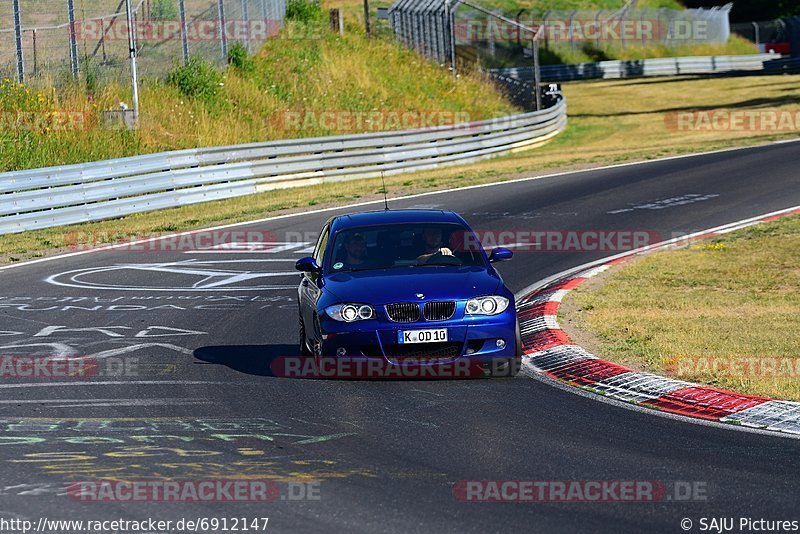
[404, 246]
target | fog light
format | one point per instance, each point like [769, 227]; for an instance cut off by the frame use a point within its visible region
[341, 351]
[500, 343]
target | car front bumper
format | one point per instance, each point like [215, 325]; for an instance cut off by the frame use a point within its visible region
[477, 340]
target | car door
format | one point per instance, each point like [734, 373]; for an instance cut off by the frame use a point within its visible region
[310, 284]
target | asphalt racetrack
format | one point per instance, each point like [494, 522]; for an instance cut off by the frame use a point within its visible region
[184, 341]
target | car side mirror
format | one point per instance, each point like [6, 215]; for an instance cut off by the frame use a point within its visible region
[307, 265]
[500, 254]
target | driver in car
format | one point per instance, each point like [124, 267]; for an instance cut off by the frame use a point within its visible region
[355, 247]
[432, 241]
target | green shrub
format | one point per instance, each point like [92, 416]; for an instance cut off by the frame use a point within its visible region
[164, 10]
[238, 59]
[303, 10]
[198, 79]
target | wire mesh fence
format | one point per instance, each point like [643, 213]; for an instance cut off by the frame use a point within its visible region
[762, 31]
[61, 40]
[434, 28]
[463, 34]
[781, 36]
[497, 43]
[495, 38]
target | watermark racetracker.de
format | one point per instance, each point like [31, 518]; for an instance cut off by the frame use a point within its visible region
[348, 121]
[596, 28]
[737, 367]
[169, 242]
[94, 30]
[521, 240]
[733, 120]
[77, 367]
[579, 491]
[43, 121]
[192, 490]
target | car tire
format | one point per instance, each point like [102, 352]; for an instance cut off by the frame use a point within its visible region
[303, 346]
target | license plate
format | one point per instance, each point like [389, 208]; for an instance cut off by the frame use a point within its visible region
[433, 335]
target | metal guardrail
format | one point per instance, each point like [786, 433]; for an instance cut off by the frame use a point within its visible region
[53, 196]
[783, 66]
[643, 67]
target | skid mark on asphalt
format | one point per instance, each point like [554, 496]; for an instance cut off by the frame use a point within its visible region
[671, 202]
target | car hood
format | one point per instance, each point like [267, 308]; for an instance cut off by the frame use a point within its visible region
[398, 285]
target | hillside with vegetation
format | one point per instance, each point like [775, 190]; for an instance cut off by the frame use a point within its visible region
[331, 82]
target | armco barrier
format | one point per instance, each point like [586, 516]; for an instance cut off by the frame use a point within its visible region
[644, 67]
[783, 66]
[53, 196]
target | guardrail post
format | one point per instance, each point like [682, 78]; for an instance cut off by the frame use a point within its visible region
[246, 18]
[572, 31]
[537, 78]
[184, 32]
[18, 43]
[546, 36]
[73, 42]
[223, 37]
[492, 45]
[366, 18]
[644, 39]
[451, 29]
[134, 71]
[35, 56]
[336, 24]
[103, 38]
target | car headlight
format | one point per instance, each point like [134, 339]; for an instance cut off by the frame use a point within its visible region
[491, 305]
[350, 312]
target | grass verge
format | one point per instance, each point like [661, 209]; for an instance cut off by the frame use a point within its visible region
[610, 122]
[722, 312]
[307, 83]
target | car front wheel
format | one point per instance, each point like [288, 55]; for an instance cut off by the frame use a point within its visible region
[303, 346]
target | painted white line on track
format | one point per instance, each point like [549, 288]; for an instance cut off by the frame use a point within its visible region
[139, 402]
[111, 383]
[106, 402]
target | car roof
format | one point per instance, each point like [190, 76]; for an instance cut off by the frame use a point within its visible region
[408, 216]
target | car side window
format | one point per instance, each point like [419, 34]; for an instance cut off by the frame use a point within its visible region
[322, 243]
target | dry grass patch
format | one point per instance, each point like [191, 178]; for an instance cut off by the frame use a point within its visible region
[723, 312]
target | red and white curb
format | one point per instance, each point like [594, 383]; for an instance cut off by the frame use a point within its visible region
[548, 350]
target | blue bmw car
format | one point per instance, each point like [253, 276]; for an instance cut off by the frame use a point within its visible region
[408, 287]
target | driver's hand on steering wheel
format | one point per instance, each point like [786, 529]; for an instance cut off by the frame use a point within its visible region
[444, 251]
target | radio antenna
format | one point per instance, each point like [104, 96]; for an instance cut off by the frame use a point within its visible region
[385, 200]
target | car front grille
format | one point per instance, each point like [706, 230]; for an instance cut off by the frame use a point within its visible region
[426, 351]
[439, 310]
[403, 312]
